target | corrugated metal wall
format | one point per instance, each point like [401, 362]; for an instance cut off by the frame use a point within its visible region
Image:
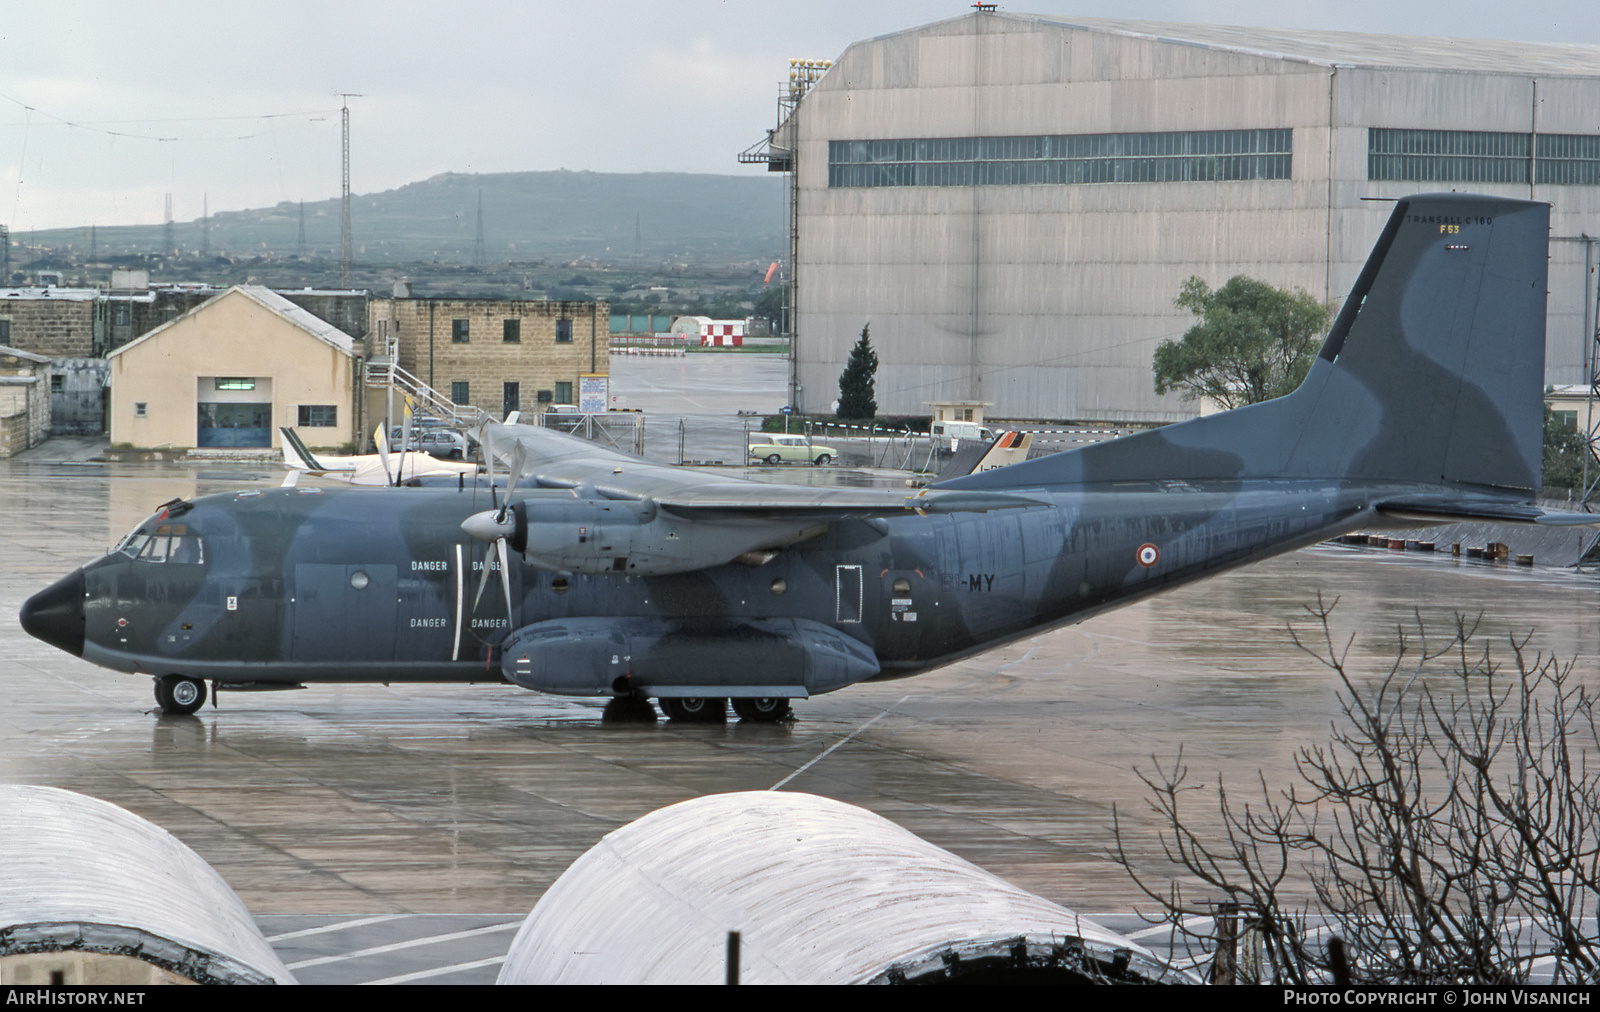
[1049, 300]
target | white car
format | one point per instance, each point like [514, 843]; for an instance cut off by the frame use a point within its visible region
[792, 449]
[443, 443]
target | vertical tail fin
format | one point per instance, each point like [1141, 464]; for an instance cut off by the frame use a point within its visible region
[1432, 373]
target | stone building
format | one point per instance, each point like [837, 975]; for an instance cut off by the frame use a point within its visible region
[230, 372]
[499, 355]
[24, 400]
[77, 327]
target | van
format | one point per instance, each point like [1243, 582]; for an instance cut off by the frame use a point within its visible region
[963, 430]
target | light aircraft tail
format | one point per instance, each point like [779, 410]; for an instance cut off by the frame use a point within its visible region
[1432, 375]
[1005, 449]
[296, 454]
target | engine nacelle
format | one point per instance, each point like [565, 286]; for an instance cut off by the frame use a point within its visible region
[710, 657]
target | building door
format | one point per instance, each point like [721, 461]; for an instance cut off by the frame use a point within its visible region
[512, 400]
[235, 423]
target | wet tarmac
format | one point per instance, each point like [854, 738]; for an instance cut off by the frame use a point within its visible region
[400, 834]
[338, 804]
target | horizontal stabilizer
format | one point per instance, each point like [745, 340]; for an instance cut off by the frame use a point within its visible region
[1443, 509]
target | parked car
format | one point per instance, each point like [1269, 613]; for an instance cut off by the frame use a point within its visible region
[444, 443]
[963, 430]
[793, 450]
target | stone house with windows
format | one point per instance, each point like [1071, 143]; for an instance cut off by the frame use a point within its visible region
[230, 372]
[77, 327]
[499, 355]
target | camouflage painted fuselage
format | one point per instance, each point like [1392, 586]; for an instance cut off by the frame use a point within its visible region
[278, 598]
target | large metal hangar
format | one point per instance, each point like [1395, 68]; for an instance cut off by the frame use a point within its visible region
[1013, 201]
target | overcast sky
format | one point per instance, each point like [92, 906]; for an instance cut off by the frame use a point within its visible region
[105, 107]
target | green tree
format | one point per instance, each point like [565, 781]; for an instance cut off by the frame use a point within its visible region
[856, 382]
[772, 306]
[1254, 342]
[1564, 451]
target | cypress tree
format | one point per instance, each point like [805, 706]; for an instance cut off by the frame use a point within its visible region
[856, 382]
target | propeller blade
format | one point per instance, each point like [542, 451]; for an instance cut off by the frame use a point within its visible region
[405, 443]
[380, 438]
[483, 580]
[519, 460]
[505, 575]
[486, 443]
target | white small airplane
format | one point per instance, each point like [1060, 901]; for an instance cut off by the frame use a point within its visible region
[381, 468]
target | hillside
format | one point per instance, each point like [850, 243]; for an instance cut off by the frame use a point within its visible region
[527, 216]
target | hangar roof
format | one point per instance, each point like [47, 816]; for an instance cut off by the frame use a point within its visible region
[1347, 49]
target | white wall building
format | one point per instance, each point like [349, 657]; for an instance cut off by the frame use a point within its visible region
[1012, 201]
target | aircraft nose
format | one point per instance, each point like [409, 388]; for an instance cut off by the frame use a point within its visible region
[55, 614]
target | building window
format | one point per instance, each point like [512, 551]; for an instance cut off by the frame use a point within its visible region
[512, 399]
[563, 331]
[319, 416]
[1481, 156]
[58, 383]
[460, 393]
[236, 383]
[121, 315]
[563, 393]
[1564, 421]
[459, 331]
[511, 331]
[140, 409]
[1185, 156]
[5, 332]
[1567, 160]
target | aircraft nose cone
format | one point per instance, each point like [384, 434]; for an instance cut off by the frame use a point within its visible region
[55, 614]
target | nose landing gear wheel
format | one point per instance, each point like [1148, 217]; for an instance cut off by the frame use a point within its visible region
[694, 709]
[763, 709]
[178, 694]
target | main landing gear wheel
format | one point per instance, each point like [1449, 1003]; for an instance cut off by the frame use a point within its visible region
[180, 694]
[763, 709]
[696, 709]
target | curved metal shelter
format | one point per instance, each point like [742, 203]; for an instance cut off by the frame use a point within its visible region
[89, 889]
[821, 892]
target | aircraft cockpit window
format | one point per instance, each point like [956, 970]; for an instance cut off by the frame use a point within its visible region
[170, 543]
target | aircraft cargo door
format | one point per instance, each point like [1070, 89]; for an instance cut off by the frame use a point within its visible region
[344, 613]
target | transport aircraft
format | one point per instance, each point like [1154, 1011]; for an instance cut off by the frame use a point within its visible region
[594, 573]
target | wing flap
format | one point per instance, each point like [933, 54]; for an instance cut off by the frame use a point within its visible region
[1443, 509]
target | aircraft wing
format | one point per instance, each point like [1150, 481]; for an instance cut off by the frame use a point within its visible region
[559, 460]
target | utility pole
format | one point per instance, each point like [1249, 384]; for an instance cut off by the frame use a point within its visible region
[345, 242]
[300, 243]
[480, 253]
[167, 240]
[205, 225]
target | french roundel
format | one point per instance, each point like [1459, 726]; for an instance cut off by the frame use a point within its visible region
[1148, 555]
